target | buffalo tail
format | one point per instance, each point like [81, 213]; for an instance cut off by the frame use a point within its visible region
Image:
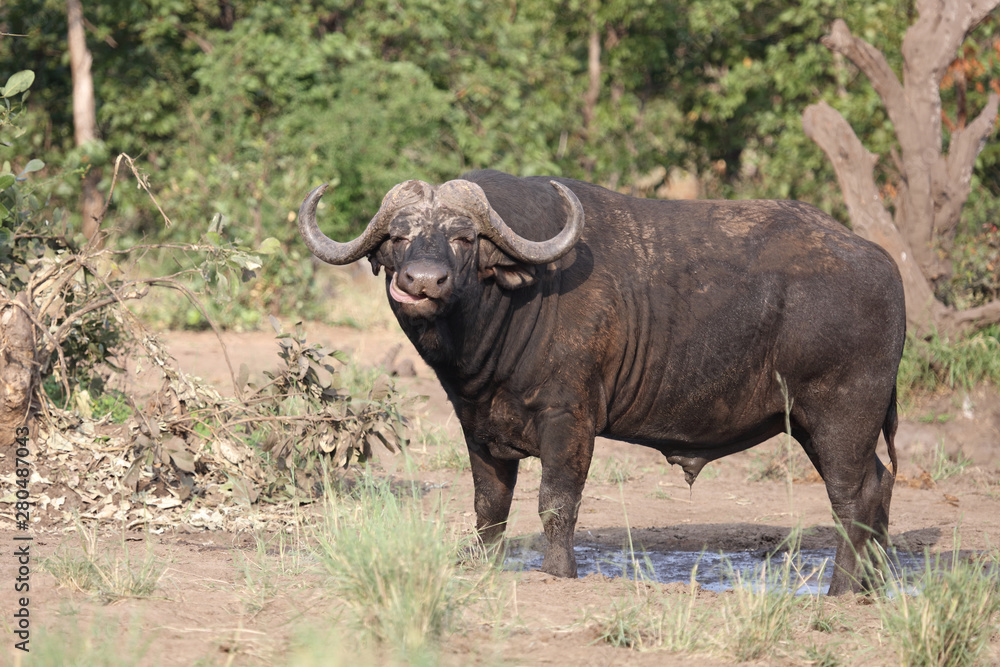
[889, 429]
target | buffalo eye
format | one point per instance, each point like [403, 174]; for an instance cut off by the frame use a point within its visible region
[463, 242]
[397, 241]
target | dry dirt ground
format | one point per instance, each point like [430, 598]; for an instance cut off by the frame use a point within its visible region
[207, 609]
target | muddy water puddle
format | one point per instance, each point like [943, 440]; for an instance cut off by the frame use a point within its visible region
[810, 571]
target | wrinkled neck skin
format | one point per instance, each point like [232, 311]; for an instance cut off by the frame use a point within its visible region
[476, 340]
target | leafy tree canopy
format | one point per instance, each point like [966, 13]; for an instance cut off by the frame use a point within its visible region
[241, 108]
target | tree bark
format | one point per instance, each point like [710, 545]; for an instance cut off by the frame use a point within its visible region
[934, 184]
[227, 15]
[854, 166]
[17, 370]
[84, 113]
[593, 89]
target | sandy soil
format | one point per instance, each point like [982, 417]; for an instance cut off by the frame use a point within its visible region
[200, 613]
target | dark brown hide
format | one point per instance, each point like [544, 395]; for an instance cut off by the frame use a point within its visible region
[667, 325]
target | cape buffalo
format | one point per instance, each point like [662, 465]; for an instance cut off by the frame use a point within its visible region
[669, 324]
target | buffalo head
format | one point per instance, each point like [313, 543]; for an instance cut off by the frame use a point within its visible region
[435, 240]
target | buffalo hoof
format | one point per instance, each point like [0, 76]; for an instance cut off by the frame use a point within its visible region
[559, 564]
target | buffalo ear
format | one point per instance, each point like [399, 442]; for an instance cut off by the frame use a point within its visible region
[508, 273]
[381, 257]
[514, 277]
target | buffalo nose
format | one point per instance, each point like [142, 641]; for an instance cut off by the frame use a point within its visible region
[425, 279]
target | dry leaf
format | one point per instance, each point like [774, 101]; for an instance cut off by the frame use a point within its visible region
[231, 452]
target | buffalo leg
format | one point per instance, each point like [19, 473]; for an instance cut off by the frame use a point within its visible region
[567, 446]
[494, 481]
[860, 490]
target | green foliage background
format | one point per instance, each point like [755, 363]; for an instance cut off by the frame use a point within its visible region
[241, 117]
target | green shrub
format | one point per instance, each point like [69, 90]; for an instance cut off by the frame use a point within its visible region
[395, 567]
[641, 619]
[975, 276]
[105, 641]
[943, 615]
[758, 615]
[936, 362]
[110, 577]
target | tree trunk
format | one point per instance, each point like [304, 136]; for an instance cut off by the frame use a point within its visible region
[17, 370]
[934, 184]
[854, 167]
[227, 15]
[593, 89]
[84, 114]
[593, 79]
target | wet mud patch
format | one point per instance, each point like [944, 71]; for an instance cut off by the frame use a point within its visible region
[716, 553]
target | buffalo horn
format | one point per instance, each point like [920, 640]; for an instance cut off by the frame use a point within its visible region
[334, 252]
[492, 226]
